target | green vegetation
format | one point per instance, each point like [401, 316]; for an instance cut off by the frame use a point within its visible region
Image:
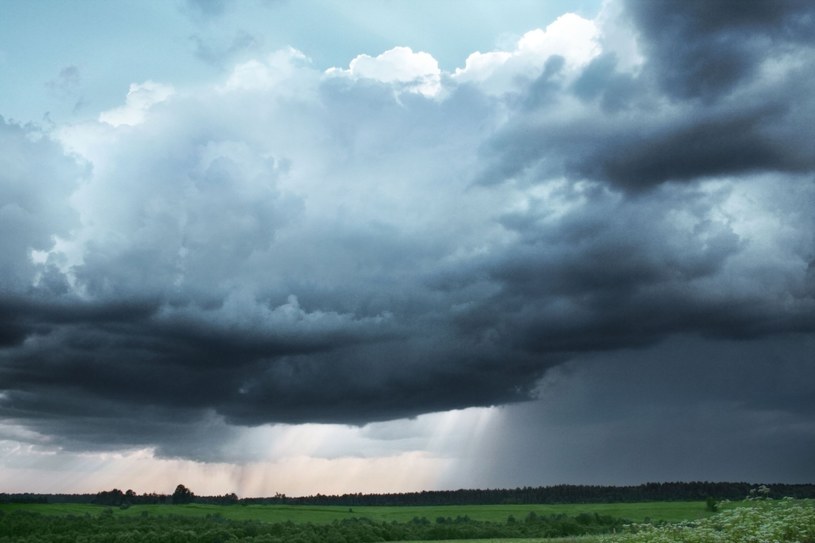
[750, 521]
[783, 521]
[106, 526]
[575, 539]
[632, 512]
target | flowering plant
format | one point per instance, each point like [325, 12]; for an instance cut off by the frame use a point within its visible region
[781, 521]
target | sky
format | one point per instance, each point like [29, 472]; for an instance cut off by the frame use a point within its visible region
[326, 247]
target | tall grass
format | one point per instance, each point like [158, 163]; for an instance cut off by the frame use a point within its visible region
[760, 521]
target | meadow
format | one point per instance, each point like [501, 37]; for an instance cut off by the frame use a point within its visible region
[632, 512]
[749, 521]
[575, 539]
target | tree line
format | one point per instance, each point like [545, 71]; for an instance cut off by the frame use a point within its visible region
[564, 494]
[674, 491]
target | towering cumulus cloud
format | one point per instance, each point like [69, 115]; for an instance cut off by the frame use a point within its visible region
[289, 244]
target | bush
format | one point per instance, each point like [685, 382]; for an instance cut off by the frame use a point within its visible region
[784, 521]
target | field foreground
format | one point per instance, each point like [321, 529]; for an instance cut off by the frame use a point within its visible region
[631, 512]
[763, 521]
[783, 521]
[575, 539]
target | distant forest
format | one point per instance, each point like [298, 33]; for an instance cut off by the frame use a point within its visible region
[527, 495]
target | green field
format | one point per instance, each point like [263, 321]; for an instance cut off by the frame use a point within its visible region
[637, 512]
[781, 521]
[576, 539]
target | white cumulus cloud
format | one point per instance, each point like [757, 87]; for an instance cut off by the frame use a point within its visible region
[140, 98]
[415, 71]
[569, 36]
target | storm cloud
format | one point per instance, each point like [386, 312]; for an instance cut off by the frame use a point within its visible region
[719, 92]
[388, 239]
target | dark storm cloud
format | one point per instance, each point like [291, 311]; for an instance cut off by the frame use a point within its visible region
[601, 81]
[639, 130]
[621, 272]
[102, 362]
[157, 357]
[154, 336]
[641, 148]
[705, 50]
[292, 246]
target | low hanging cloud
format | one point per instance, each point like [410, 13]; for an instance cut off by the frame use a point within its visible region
[288, 245]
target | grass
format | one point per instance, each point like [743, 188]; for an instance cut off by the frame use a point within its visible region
[636, 512]
[576, 539]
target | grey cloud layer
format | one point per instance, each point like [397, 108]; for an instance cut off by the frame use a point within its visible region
[300, 248]
[722, 91]
[708, 49]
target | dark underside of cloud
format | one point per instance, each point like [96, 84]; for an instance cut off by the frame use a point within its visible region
[675, 201]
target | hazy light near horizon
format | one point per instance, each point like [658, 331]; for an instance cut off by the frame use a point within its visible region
[297, 460]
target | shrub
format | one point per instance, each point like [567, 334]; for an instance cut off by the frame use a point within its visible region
[784, 521]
